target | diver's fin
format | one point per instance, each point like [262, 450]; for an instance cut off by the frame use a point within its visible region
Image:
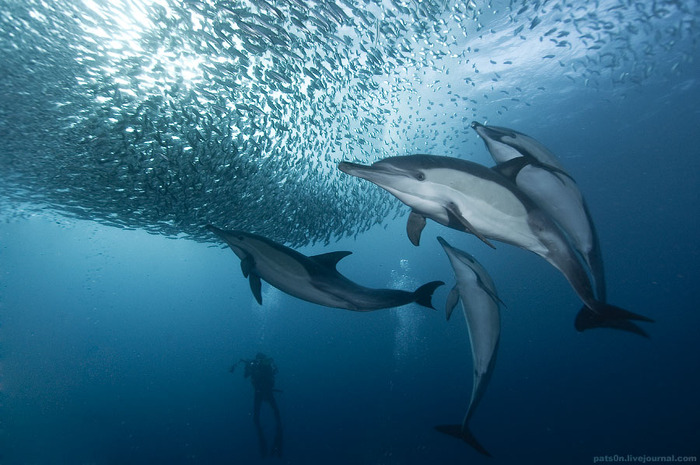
[276, 449]
[330, 259]
[414, 227]
[451, 303]
[456, 217]
[424, 294]
[609, 316]
[255, 286]
[465, 435]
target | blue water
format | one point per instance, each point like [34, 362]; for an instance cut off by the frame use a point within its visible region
[115, 344]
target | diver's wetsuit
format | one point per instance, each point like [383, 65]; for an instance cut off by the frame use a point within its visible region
[262, 372]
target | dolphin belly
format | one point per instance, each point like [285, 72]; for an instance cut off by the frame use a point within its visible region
[501, 220]
[493, 209]
[483, 322]
[559, 196]
[561, 199]
[480, 305]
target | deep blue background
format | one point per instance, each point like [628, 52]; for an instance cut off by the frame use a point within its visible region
[116, 344]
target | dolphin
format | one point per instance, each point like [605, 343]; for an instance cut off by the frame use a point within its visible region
[469, 197]
[312, 278]
[538, 173]
[480, 302]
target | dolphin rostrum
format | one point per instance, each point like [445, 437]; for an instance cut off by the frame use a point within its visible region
[480, 301]
[470, 197]
[538, 173]
[312, 278]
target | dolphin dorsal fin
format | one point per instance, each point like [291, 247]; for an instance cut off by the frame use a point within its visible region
[512, 167]
[414, 227]
[451, 302]
[330, 259]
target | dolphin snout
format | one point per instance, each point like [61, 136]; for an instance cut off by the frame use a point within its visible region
[378, 174]
[489, 132]
[351, 168]
[368, 172]
[483, 130]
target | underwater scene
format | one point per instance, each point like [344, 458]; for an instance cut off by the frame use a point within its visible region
[349, 232]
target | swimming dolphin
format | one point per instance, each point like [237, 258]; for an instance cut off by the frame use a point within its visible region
[480, 306]
[314, 279]
[470, 197]
[538, 173]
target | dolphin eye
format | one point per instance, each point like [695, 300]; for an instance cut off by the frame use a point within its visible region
[420, 176]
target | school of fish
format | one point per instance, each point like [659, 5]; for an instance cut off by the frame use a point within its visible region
[162, 114]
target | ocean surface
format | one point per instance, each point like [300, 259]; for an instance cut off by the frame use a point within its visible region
[128, 125]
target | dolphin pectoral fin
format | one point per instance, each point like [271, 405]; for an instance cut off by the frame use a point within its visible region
[247, 265]
[451, 303]
[456, 216]
[490, 292]
[595, 264]
[414, 227]
[497, 300]
[495, 297]
[465, 435]
[609, 316]
[330, 259]
[594, 259]
[255, 287]
[424, 294]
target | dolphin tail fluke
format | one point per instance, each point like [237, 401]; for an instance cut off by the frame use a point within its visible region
[424, 294]
[610, 316]
[465, 435]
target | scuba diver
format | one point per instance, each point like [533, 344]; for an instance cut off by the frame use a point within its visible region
[262, 371]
